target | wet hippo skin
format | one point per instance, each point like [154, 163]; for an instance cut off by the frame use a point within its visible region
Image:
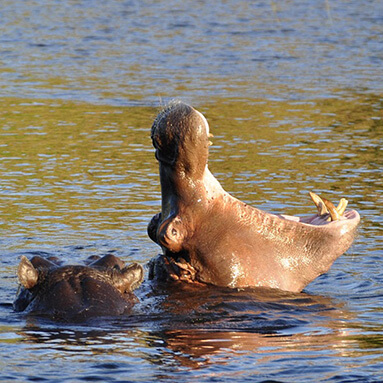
[208, 236]
[77, 292]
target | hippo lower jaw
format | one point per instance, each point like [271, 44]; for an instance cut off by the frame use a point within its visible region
[211, 237]
[278, 251]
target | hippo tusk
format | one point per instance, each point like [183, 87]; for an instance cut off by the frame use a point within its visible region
[324, 206]
[334, 215]
[319, 203]
[342, 206]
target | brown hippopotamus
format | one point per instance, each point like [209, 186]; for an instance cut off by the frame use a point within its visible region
[211, 237]
[76, 292]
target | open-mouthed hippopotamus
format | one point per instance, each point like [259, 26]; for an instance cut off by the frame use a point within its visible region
[211, 237]
[76, 292]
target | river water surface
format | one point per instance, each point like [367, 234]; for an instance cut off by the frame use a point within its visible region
[293, 94]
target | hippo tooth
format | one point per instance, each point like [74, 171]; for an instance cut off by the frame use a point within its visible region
[321, 206]
[342, 206]
[331, 209]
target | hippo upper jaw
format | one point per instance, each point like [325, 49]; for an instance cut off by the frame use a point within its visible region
[180, 136]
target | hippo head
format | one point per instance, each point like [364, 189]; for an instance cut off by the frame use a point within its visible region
[76, 291]
[209, 236]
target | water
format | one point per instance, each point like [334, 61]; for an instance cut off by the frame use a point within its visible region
[124, 52]
[293, 95]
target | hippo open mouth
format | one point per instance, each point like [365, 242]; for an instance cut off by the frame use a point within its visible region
[211, 237]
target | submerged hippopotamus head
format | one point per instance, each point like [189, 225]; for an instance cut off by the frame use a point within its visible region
[211, 237]
[76, 292]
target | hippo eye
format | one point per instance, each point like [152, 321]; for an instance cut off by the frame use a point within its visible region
[174, 232]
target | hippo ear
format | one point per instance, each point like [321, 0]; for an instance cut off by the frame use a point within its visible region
[171, 234]
[26, 273]
[129, 278]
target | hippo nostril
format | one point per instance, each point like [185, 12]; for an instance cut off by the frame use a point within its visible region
[171, 234]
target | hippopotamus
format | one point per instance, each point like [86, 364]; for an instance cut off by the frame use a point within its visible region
[77, 292]
[208, 236]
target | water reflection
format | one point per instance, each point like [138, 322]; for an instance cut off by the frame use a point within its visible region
[184, 327]
[198, 348]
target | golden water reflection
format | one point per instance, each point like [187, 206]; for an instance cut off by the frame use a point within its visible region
[89, 170]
